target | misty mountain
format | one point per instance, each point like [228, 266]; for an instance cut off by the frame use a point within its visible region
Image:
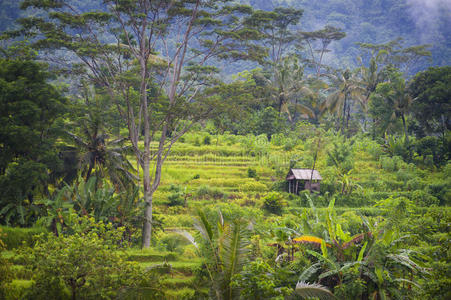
[378, 21]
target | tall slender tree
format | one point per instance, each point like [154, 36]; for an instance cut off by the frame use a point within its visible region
[320, 39]
[151, 57]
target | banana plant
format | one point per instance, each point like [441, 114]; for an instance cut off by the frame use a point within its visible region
[59, 209]
[376, 256]
[88, 199]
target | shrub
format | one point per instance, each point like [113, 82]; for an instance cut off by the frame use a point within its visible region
[374, 149]
[177, 196]
[5, 270]
[341, 156]
[403, 175]
[441, 191]
[422, 198]
[172, 242]
[278, 139]
[279, 186]
[204, 191]
[86, 265]
[251, 173]
[329, 187]
[253, 186]
[176, 199]
[257, 281]
[273, 203]
[207, 140]
[289, 144]
[414, 184]
[392, 164]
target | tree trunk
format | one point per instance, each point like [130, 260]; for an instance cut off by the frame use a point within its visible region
[281, 101]
[348, 116]
[405, 128]
[88, 174]
[147, 226]
[344, 115]
[74, 292]
[406, 135]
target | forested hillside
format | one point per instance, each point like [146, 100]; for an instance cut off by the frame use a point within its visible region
[376, 22]
[205, 149]
[416, 21]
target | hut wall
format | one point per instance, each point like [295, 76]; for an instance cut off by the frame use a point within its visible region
[313, 186]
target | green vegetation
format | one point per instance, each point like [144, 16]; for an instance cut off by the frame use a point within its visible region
[130, 167]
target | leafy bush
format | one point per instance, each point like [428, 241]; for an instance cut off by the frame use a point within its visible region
[172, 242]
[278, 139]
[397, 146]
[257, 281]
[422, 198]
[176, 198]
[251, 172]
[279, 186]
[14, 237]
[85, 265]
[414, 184]
[441, 191]
[204, 192]
[207, 140]
[404, 175]
[391, 164]
[341, 156]
[5, 270]
[253, 186]
[96, 197]
[289, 144]
[273, 203]
[374, 149]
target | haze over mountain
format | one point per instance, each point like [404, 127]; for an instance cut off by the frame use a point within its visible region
[379, 21]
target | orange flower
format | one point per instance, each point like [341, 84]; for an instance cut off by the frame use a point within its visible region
[309, 239]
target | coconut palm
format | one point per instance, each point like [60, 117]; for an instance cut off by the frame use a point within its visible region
[346, 88]
[396, 96]
[285, 84]
[370, 76]
[309, 102]
[100, 156]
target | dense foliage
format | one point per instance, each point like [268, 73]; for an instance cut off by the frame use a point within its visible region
[132, 166]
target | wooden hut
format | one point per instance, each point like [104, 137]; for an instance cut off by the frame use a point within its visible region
[303, 179]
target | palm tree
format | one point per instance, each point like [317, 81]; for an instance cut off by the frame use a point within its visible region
[395, 95]
[100, 156]
[285, 84]
[308, 102]
[225, 250]
[346, 88]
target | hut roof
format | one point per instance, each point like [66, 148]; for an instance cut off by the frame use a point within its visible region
[304, 174]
